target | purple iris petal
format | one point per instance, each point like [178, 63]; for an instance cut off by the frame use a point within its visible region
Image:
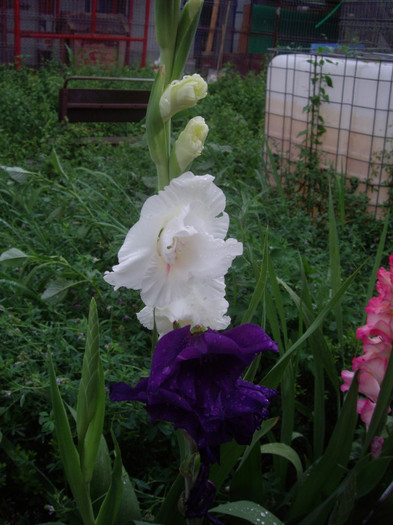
[195, 384]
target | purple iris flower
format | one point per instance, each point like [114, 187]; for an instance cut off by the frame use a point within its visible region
[195, 384]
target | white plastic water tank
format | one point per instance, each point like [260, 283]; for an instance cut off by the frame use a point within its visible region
[358, 117]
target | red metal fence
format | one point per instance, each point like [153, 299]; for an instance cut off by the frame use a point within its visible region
[94, 30]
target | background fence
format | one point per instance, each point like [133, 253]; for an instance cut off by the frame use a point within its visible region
[240, 31]
[357, 119]
[112, 32]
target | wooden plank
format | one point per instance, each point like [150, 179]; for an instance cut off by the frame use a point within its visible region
[213, 22]
[245, 33]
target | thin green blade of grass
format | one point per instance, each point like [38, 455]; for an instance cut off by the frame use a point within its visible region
[273, 377]
[273, 169]
[321, 348]
[260, 286]
[335, 269]
[278, 302]
[340, 182]
[322, 360]
[325, 476]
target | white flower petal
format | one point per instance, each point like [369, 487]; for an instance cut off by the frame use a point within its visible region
[205, 305]
[204, 257]
[178, 242]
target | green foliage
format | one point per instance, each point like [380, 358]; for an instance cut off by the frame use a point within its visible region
[64, 212]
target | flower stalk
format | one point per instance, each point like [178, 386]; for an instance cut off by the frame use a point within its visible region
[174, 33]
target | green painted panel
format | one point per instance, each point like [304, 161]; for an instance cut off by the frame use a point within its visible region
[294, 28]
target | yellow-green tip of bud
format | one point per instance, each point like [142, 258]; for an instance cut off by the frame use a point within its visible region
[194, 6]
[182, 94]
[190, 142]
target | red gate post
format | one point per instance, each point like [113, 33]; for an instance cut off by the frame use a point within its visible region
[130, 12]
[93, 16]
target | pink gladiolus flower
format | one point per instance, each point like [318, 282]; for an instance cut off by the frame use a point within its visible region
[365, 409]
[377, 338]
[347, 377]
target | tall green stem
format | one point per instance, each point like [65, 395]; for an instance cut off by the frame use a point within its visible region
[190, 472]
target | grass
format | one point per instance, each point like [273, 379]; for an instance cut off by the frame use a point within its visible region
[66, 211]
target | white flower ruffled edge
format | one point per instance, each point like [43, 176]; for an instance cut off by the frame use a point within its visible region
[177, 257]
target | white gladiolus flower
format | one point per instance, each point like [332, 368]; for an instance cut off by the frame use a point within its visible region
[177, 244]
[190, 142]
[205, 305]
[182, 94]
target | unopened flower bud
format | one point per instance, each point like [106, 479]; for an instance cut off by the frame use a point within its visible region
[182, 94]
[186, 29]
[190, 142]
[193, 6]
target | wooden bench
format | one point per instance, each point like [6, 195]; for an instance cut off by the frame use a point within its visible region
[103, 105]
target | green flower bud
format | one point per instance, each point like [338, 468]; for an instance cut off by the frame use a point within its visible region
[188, 146]
[187, 27]
[166, 20]
[182, 94]
[194, 7]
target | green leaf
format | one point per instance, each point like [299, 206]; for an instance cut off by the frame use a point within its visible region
[56, 290]
[17, 174]
[248, 511]
[101, 478]
[260, 286]
[229, 455]
[273, 377]
[90, 380]
[372, 473]
[14, 454]
[138, 522]
[319, 343]
[88, 452]
[129, 505]
[266, 426]
[55, 161]
[344, 502]
[91, 398]
[324, 475]
[335, 269]
[13, 256]
[247, 481]
[25, 290]
[169, 513]
[273, 169]
[287, 452]
[278, 302]
[68, 453]
[111, 504]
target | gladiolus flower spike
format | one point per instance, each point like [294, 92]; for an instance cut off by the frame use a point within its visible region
[377, 338]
